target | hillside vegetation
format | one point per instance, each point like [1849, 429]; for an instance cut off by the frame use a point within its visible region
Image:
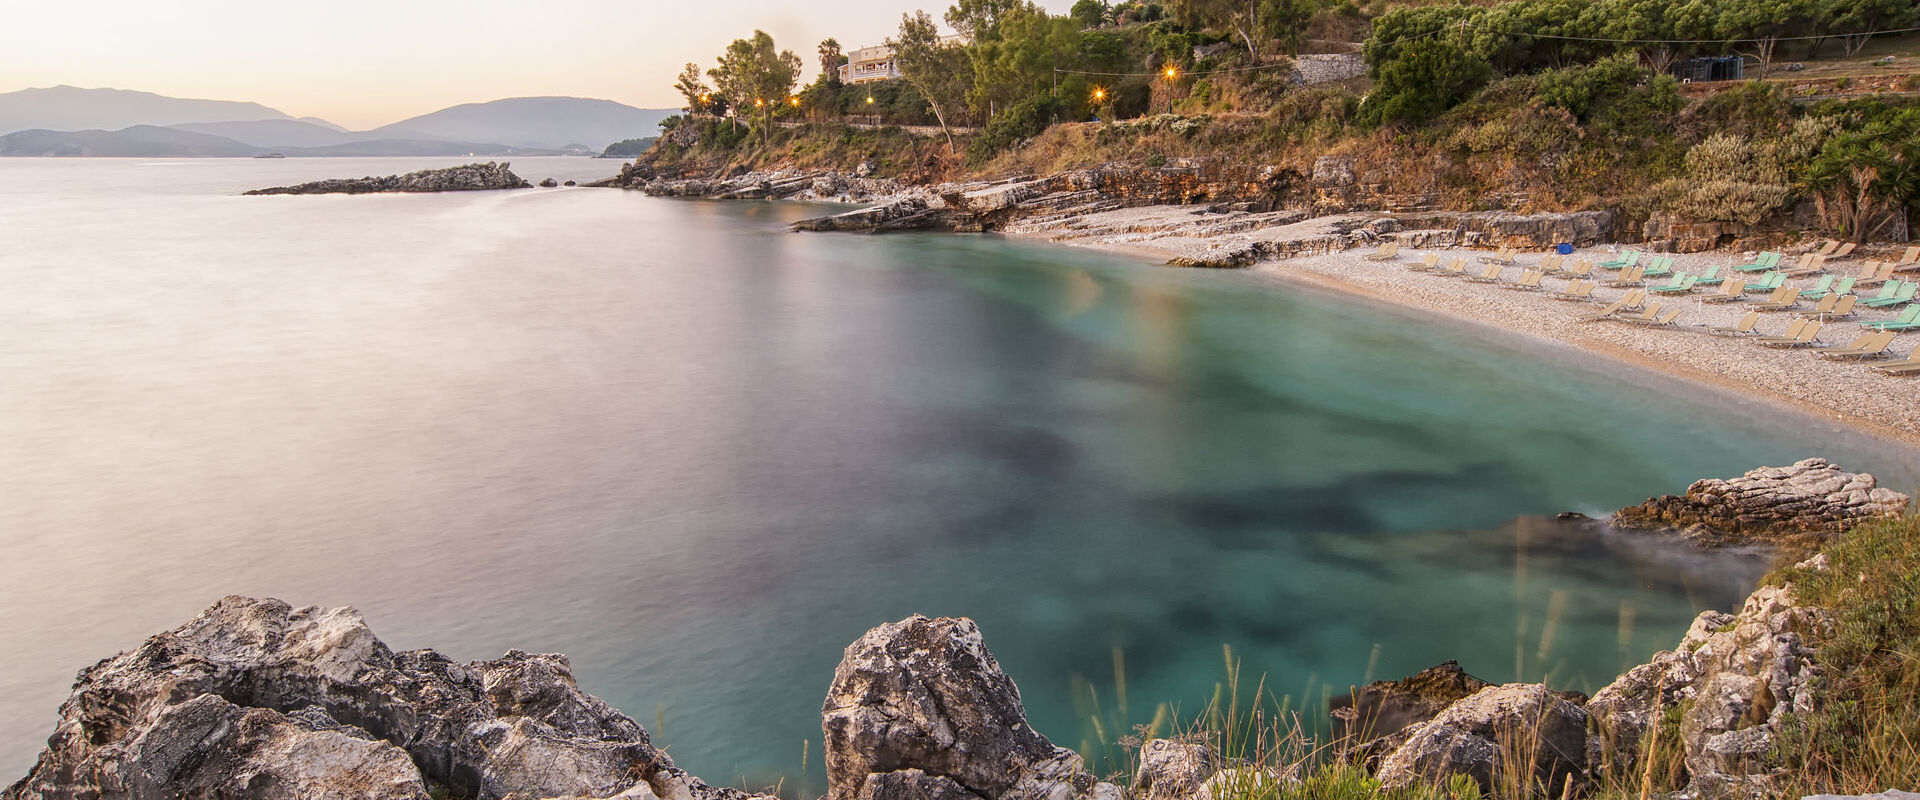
[1524, 105]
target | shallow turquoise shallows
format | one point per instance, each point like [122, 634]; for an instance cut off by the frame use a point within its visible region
[700, 455]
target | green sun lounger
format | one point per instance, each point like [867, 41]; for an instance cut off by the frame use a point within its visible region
[1627, 258]
[1767, 283]
[1659, 267]
[1766, 261]
[1903, 295]
[1682, 284]
[1908, 319]
[1845, 286]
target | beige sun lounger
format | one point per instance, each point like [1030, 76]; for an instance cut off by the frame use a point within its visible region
[1828, 248]
[1844, 308]
[1909, 260]
[1581, 268]
[1872, 345]
[1616, 307]
[1631, 276]
[1489, 275]
[1882, 271]
[1504, 255]
[1787, 297]
[1731, 290]
[1664, 320]
[1427, 264]
[1809, 336]
[1387, 252]
[1844, 251]
[1576, 290]
[1825, 305]
[1911, 366]
[1810, 264]
[1529, 281]
[1792, 332]
[1651, 313]
[1742, 328]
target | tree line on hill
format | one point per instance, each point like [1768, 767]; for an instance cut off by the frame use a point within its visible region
[1015, 69]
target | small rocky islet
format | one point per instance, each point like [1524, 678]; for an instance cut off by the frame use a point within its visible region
[256, 699]
[466, 178]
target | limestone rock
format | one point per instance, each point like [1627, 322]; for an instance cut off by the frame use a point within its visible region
[925, 694]
[548, 183]
[1737, 675]
[1809, 501]
[1384, 708]
[472, 177]
[1170, 769]
[1474, 735]
[257, 699]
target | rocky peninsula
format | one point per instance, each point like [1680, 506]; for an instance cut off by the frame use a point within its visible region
[467, 178]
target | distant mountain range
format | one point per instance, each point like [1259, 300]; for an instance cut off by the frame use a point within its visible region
[69, 121]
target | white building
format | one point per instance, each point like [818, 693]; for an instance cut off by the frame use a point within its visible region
[869, 64]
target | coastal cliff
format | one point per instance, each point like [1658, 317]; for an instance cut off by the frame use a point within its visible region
[471, 177]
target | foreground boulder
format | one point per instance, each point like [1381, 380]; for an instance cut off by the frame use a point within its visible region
[1521, 728]
[256, 699]
[1367, 722]
[919, 710]
[1736, 676]
[1807, 502]
[472, 177]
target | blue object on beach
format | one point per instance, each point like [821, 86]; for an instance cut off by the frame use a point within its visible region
[1564, 249]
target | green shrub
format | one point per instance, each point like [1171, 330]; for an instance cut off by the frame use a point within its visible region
[1024, 120]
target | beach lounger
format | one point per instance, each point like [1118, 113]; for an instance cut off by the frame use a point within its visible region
[1682, 284]
[1881, 273]
[1909, 260]
[1630, 276]
[1529, 281]
[1503, 256]
[1581, 268]
[1845, 286]
[1712, 275]
[1576, 290]
[1490, 275]
[1828, 248]
[1810, 264]
[1616, 307]
[1844, 308]
[1742, 328]
[1809, 336]
[1904, 294]
[1908, 320]
[1652, 311]
[1387, 252]
[1427, 264]
[1844, 251]
[1767, 283]
[1731, 289]
[1911, 366]
[1658, 268]
[1825, 305]
[1551, 263]
[1456, 266]
[1786, 298]
[1627, 258]
[1664, 320]
[1870, 345]
[1792, 332]
[1765, 262]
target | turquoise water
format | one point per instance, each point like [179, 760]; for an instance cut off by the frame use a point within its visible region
[700, 455]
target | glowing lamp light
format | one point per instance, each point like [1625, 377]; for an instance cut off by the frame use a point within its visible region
[869, 99]
[1172, 73]
[796, 102]
[1099, 95]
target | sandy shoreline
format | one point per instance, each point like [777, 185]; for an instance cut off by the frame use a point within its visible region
[1843, 391]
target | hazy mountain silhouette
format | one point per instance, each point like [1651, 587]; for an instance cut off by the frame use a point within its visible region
[67, 108]
[144, 141]
[545, 122]
[272, 132]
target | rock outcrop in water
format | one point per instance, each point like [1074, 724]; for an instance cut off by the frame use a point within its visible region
[256, 699]
[472, 177]
[1808, 502]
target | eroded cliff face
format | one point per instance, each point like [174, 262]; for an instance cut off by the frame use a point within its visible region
[1803, 503]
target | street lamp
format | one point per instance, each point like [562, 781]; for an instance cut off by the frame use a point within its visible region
[1172, 75]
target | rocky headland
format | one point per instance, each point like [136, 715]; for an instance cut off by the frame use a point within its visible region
[467, 178]
[1805, 503]
[1195, 212]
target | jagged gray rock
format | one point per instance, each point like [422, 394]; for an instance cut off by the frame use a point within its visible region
[1382, 709]
[1809, 501]
[1737, 675]
[257, 700]
[1474, 736]
[471, 177]
[1170, 770]
[925, 695]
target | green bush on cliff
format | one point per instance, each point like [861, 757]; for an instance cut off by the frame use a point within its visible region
[1865, 737]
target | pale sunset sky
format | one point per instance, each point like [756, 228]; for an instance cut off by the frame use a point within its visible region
[365, 63]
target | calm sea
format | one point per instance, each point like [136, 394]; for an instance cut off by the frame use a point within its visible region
[700, 454]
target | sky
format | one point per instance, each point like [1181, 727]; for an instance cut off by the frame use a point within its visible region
[366, 63]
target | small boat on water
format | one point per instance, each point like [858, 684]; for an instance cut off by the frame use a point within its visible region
[271, 155]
